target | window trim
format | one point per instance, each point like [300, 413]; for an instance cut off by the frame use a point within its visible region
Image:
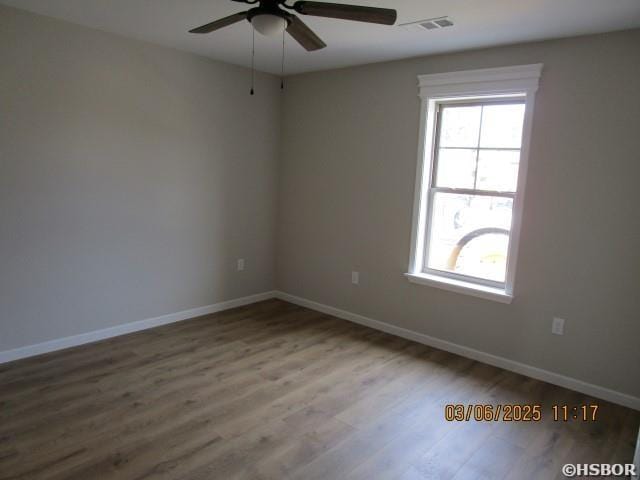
[519, 82]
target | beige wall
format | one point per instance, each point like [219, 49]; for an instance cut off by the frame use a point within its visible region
[346, 197]
[131, 179]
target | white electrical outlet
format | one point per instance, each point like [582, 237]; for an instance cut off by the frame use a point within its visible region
[355, 278]
[557, 327]
[240, 264]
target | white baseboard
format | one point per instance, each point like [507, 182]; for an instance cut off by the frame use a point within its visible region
[89, 337]
[501, 362]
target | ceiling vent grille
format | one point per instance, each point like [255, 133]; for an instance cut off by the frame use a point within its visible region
[429, 24]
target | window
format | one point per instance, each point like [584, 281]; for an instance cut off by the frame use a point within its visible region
[472, 163]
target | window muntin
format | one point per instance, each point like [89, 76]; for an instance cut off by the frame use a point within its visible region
[474, 179]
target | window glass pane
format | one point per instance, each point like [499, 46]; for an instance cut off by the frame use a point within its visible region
[470, 235]
[456, 168]
[502, 126]
[460, 126]
[498, 170]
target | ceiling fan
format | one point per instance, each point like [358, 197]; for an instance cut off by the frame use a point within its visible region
[270, 18]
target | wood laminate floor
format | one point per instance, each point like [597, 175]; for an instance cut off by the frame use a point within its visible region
[276, 391]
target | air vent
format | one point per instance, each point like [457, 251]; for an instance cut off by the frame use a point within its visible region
[444, 22]
[429, 24]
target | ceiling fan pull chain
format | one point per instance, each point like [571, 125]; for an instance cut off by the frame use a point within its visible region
[253, 59]
[282, 70]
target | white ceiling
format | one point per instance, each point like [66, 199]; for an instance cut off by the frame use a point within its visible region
[478, 23]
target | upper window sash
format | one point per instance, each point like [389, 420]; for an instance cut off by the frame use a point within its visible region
[439, 108]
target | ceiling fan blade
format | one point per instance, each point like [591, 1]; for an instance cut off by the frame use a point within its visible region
[304, 35]
[223, 22]
[385, 16]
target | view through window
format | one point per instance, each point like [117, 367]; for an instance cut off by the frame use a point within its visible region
[473, 186]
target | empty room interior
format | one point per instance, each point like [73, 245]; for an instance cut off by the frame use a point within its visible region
[288, 239]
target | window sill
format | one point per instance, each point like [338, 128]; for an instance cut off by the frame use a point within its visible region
[458, 286]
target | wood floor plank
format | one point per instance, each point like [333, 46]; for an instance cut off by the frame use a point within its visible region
[277, 391]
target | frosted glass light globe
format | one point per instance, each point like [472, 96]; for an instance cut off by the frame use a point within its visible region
[269, 25]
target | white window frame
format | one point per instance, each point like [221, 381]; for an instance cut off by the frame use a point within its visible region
[518, 82]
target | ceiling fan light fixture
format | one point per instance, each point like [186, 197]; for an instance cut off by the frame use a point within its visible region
[273, 18]
[269, 25]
